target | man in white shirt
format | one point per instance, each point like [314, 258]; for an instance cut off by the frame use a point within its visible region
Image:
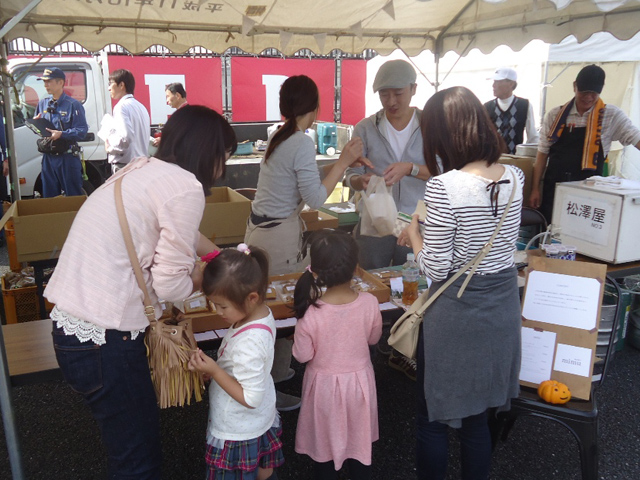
[131, 137]
[512, 115]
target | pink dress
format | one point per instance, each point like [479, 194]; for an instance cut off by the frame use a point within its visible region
[339, 413]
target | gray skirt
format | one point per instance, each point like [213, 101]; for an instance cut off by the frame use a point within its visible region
[472, 347]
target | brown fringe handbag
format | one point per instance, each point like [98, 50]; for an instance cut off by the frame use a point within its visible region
[169, 342]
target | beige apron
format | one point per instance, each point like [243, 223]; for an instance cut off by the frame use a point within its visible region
[282, 242]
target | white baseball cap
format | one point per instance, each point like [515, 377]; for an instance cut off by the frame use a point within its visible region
[505, 73]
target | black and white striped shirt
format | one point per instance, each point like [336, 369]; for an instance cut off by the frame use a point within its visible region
[460, 220]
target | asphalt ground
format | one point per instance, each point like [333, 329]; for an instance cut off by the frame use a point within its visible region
[60, 440]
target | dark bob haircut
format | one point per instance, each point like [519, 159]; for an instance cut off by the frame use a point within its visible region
[198, 139]
[126, 77]
[457, 128]
[176, 88]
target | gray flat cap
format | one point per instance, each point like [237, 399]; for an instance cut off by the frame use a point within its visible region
[394, 74]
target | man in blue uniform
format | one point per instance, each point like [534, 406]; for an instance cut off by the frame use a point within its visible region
[61, 172]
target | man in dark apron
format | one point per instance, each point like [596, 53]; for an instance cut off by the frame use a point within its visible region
[575, 138]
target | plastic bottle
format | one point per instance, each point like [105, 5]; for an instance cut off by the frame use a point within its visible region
[410, 276]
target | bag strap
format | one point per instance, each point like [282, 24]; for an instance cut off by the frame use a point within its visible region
[475, 261]
[261, 326]
[149, 311]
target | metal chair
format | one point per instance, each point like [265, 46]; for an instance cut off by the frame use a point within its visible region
[530, 217]
[578, 416]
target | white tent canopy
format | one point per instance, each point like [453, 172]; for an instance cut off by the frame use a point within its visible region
[322, 26]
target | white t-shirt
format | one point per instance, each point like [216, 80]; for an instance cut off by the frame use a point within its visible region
[398, 139]
[246, 353]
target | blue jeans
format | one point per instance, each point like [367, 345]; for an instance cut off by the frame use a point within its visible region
[115, 381]
[432, 445]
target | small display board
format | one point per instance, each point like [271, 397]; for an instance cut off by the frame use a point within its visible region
[560, 317]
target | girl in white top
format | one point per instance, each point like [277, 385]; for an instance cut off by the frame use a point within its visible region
[243, 435]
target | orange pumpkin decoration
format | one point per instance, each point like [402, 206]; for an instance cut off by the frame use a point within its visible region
[554, 392]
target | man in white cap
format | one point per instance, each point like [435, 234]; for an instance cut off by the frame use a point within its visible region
[511, 114]
[393, 142]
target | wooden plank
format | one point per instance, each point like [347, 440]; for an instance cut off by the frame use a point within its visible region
[29, 347]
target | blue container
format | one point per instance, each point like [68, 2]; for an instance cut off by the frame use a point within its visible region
[327, 137]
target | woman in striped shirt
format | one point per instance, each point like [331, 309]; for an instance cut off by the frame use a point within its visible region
[469, 350]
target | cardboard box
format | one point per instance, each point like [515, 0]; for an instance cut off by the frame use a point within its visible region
[41, 225]
[309, 215]
[526, 165]
[324, 221]
[225, 216]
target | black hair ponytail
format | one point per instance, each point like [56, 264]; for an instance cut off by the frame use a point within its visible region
[334, 258]
[298, 96]
[305, 294]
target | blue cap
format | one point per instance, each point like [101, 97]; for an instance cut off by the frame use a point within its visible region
[50, 73]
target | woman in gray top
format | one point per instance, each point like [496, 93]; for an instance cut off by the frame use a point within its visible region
[289, 178]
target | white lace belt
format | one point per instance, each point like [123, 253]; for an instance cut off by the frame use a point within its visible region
[83, 330]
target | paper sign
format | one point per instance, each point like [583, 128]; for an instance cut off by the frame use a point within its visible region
[586, 218]
[573, 360]
[564, 300]
[396, 284]
[537, 355]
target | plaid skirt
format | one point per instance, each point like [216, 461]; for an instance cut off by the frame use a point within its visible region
[240, 459]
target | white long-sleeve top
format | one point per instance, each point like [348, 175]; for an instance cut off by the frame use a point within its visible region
[460, 221]
[246, 354]
[94, 279]
[131, 137]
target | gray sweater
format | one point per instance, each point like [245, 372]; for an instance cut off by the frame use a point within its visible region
[409, 190]
[290, 175]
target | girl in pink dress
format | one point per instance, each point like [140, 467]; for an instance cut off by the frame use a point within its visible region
[338, 419]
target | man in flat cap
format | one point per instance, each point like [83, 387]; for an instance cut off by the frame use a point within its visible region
[512, 115]
[61, 166]
[393, 142]
[575, 138]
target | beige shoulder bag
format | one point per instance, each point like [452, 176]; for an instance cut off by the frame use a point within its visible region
[169, 342]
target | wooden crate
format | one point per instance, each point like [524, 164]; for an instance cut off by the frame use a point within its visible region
[212, 321]
[21, 304]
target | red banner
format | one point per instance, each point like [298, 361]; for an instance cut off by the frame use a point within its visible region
[256, 86]
[201, 78]
[354, 80]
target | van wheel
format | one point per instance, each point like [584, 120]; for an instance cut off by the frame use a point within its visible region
[87, 188]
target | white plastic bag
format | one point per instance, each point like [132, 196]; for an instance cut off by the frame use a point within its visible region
[377, 209]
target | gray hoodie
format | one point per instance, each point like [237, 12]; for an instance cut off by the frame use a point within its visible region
[409, 190]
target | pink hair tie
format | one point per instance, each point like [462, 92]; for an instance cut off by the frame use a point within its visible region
[308, 269]
[210, 256]
[244, 248]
